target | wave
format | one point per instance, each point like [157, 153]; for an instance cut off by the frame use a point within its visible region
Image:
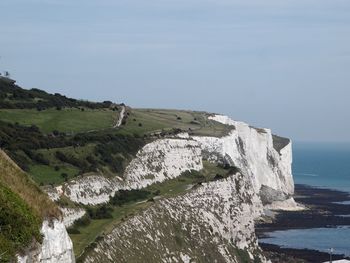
[307, 174]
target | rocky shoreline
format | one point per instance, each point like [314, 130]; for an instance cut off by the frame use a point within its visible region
[323, 211]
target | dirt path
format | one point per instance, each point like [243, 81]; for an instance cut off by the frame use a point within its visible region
[120, 119]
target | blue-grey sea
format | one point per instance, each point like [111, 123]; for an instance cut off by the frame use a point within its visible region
[325, 165]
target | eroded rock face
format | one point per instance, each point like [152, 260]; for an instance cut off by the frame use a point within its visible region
[252, 150]
[207, 224]
[213, 220]
[90, 190]
[155, 162]
[70, 215]
[161, 160]
[56, 247]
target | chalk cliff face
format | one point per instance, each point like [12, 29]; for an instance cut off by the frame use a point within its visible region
[215, 219]
[56, 246]
[157, 161]
[253, 151]
[218, 217]
[209, 224]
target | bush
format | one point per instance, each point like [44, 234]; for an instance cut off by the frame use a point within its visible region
[73, 230]
[84, 221]
[100, 212]
[124, 196]
[64, 176]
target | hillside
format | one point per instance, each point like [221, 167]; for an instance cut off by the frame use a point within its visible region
[113, 170]
[56, 144]
[23, 208]
[15, 97]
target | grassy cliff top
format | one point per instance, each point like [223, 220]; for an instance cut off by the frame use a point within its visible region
[12, 177]
[55, 138]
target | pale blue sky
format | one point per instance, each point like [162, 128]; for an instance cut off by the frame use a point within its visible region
[278, 64]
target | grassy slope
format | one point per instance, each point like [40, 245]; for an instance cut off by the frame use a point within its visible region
[169, 188]
[70, 120]
[19, 182]
[152, 121]
[157, 120]
[140, 122]
[23, 206]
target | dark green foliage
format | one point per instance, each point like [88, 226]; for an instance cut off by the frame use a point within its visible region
[20, 141]
[82, 164]
[18, 224]
[14, 97]
[38, 157]
[243, 256]
[112, 150]
[195, 175]
[230, 168]
[84, 221]
[218, 177]
[100, 212]
[73, 231]
[125, 196]
[65, 176]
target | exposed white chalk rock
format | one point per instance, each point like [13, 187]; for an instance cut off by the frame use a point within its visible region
[161, 160]
[216, 218]
[252, 150]
[70, 215]
[155, 162]
[56, 247]
[285, 205]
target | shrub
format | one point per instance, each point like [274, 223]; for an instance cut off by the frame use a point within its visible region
[124, 196]
[64, 176]
[101, 212]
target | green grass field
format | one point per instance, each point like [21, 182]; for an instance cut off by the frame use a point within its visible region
[44, 174]
[70, 120]
[168, 188]
[144, 121]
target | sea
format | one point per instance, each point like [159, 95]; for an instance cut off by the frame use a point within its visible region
[324, 165]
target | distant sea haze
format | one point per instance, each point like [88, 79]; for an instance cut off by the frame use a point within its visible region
[323, 165]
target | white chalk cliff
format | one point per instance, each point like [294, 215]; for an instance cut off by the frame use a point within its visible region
[56, 246]
[219, 212]
[253, 151]
[208, 224]
[155, 162]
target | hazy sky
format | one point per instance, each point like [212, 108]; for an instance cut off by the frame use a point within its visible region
[273, 63]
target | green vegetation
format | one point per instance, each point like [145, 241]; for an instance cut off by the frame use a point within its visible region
[163, 122]
[106, 151]
[18, 223]
[19, 182]
[126, 203]
[55, 138]
[243, 256]
[45, 174]
[23, 206]
[14, 97]
[68, 120]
